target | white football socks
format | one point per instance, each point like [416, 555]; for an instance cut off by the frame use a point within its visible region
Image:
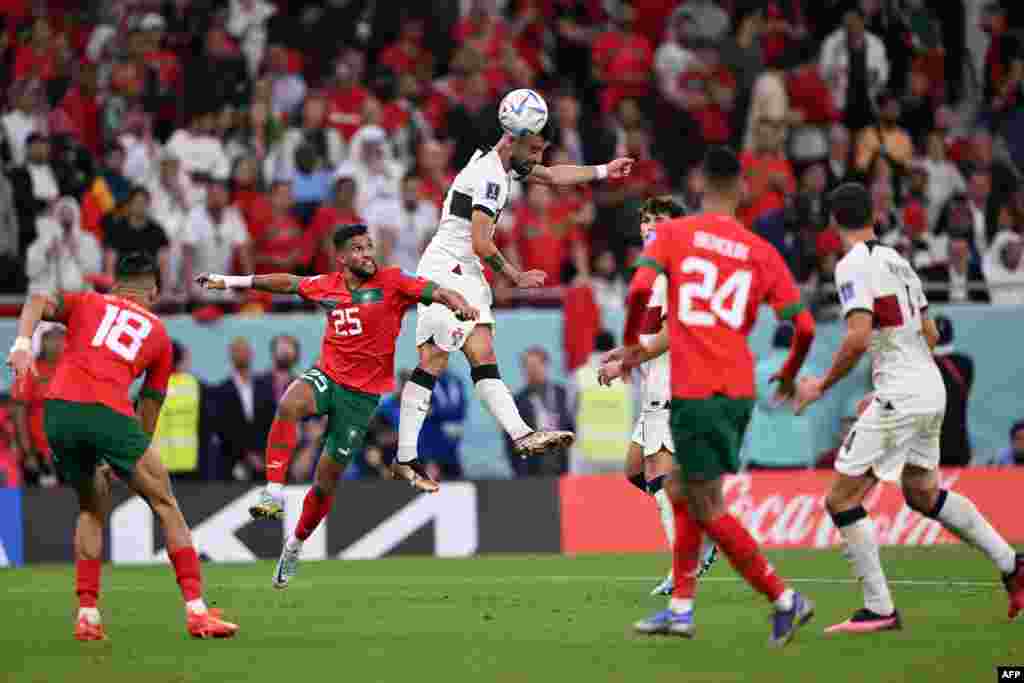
[862, 551]
[91, 614]
[196, 606]
[785, 601]
[413, 411]
[495, 395]
[668, 516]
[959, 515]
[293, 543]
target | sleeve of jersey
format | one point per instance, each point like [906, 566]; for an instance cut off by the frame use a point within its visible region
[853, 280]
[312, 288]
[487, 195]
[158, 375]
[648, 267]
[66, 304]
[783, 295]
[414, 289]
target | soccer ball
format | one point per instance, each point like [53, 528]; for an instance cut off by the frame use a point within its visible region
[523, 112]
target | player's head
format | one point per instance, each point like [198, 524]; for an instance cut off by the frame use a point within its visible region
[137, 277]
[852, 207]
[722, 174]
[528, 149]
[355, 250]
[657, 210]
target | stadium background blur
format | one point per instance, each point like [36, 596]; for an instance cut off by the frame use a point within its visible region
[253, 128]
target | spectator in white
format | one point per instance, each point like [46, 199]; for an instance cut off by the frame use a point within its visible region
[607, 284]
[769, 102]
[979, 189]
[215, 236]
[403, 227]
[314, 131]
[376, 172]
[959, 281]
[707, 20]
[1004, 268]
[140, 148]
[22, 120]
[849, 54]
[169, 207]
[34, 185]
[10, 244]
[838, 154]
[199, 149]
[672, 57]
[247, 22]
[567, 112]
[287, 89]
[944, 179]
[63, 255]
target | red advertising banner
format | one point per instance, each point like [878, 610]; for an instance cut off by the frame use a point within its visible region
[604, 513]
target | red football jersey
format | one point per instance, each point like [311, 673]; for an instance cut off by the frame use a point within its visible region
[719, 273]
[110, 342]
[363, 325]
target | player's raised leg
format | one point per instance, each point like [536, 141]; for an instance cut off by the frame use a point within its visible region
[479, 350]
[94, 508]
[151, 481]
[960, 516]
[415, 404]
[298, 402]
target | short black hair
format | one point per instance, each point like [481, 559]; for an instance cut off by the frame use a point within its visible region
[945, 327]
[721, 167]
[346, 232]
[1017, 426]
[852, 206]
[177, 352]
[136, 264]
[663, 205]
[604, 341]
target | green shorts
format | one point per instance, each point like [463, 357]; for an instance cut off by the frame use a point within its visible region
[708, 434]
[348, 415]
[83, 435]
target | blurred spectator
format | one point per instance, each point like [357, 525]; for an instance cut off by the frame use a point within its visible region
[279, 246]
[961, 280]
[80, 108]
[403, 55]
[29, 397]
[888, 222]
[247, 22]
[11, 248]
[957, 371]
[215, 238]
[609, 288]
[169, 208]
[473, 122]
[769, 105]
[135, 231]
[327, 144]
[403, 227]
[742, 54]
[199, 150]
[547, 406]
[217, 64]
[673, 57]
[812, 110]
[838, 155]
[24, 118]
[707, 90]
[482, 27]
[341, 211]
[243, 409]
[855, 66]
[603, 414]
[1004, 268]
[703, 20]
[1014, 453]
[979, 153]
[346, 95]
[34, 185]
[36, 59]
[179, 430]
[63, 257]
[917, 108]
[310, 183]
[376, 173]
[1004, 51]
[944, 179]
[546, 236]
[768, 173]
[621, 59]
[288, 89]
[285, 352]
[257, 133]
[107, 192]
[979, 191]
[435, 173]
[894, 144]
[169, 82]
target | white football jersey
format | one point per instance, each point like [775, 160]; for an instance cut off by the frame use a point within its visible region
[483, 184]
[875, 278]
[656, 374]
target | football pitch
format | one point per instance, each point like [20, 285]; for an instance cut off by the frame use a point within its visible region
[507, 618]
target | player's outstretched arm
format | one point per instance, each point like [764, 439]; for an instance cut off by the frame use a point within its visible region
[579, 175]
[275, 283]
[38, 307]
[855, 344]
[456, 303]
[488, 252]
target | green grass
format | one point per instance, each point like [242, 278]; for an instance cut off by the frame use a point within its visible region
[506, 619]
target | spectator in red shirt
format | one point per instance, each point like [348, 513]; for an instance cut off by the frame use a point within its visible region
[434, 170]
[546, 236]
[708, 91]
[327, 218]
[81, 107]
[483, 28]
[623, 60]
[37, 58]
[767, 171]
[29, 395]
[403, 54]
[648, 177]
[346, 97]
[247, 193]
[279, 246]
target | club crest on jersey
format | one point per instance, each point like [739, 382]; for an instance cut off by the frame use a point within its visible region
[845, 291]
[492, 191]
[367, 296]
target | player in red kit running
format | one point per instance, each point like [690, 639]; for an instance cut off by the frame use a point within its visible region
[718, 274]
[364, 305]
[89, 421]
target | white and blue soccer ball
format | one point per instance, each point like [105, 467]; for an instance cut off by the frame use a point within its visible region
[523, 112]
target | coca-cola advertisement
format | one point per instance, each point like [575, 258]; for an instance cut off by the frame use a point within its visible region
[781, 509]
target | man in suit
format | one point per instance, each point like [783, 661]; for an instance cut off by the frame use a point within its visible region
[957, 372]
[960, 280]
[545, 405]
[242, 409]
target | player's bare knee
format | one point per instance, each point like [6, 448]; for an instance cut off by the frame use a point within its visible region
[433, 359]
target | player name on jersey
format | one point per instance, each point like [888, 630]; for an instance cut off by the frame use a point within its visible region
[721, 245]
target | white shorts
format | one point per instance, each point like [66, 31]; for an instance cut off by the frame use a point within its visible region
[436, 322]
[653, 432]
[888, 436]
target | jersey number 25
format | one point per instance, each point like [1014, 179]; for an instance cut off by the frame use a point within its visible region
[736, 287]
[119, 324]
[347, 322]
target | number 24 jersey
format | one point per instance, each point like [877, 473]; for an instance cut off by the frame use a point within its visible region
[110, 342]
[719, 273]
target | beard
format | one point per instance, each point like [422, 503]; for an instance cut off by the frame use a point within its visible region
[364, 274]
[522, 166]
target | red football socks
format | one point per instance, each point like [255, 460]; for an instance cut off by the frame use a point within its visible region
[744, 555]
[685, 552]
[281, 442]
[315, 507]
[186, 567]
[87, 582]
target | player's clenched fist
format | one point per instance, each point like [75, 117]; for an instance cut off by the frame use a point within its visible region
[20, 362]
[457, 303]
[531, 278]
[211, 281]
[620, 168]
[609, 372]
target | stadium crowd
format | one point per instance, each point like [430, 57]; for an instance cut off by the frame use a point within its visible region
[234, 136]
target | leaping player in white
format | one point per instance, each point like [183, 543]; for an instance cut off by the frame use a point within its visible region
[897, 434]
[454, 258]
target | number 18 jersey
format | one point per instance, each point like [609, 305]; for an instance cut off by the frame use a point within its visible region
[110, 342]
[719, 273]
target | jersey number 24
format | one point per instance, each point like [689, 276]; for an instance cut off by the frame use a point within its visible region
[119, 324]
[728, 302]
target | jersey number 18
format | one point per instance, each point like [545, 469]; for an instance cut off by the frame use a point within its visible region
[118, 324]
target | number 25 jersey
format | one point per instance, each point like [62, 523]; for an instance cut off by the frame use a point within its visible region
[719, 273]
[111, 341]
